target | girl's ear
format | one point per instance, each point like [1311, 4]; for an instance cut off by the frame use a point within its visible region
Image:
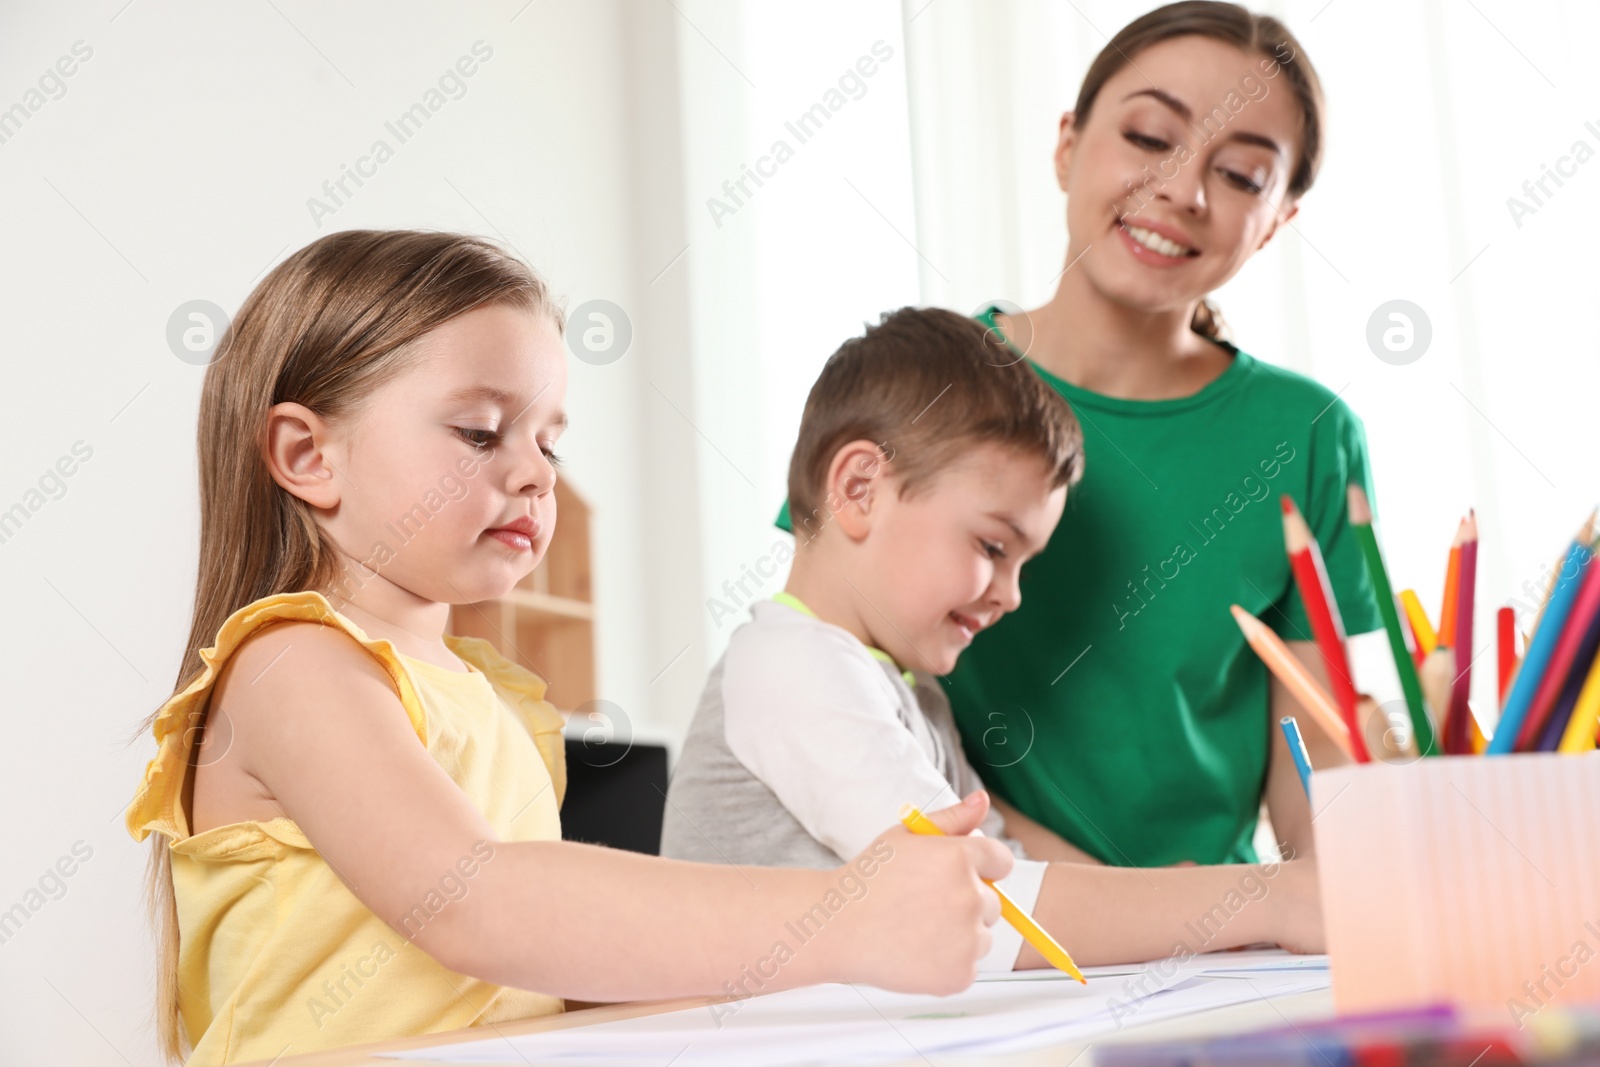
[1066, 140]
[855, 479]
[298, 449]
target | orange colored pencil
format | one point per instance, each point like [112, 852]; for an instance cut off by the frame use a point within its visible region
[1293, 674]
[1452, 579]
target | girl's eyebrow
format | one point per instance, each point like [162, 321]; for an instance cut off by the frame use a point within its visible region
[472, 393]
[1187, 115]
[494, 394]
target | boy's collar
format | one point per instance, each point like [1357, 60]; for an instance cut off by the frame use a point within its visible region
[786, 597]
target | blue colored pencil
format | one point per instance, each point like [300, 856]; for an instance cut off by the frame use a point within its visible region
[1297, 749]
[1541, 647]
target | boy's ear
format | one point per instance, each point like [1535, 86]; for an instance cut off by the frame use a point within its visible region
[855, 479]
[301, 454]
[1066, 140]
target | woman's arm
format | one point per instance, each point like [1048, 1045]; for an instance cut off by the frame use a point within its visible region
[1287, 805]
[1105, 915]
[1037, 841]
[320, 725]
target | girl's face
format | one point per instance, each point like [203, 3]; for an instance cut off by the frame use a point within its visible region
[447, 477]
[1180, 172]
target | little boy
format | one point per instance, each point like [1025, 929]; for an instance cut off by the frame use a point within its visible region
[930, 466]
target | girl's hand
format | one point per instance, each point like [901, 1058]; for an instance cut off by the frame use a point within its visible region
[923, 921]
[1299, 907]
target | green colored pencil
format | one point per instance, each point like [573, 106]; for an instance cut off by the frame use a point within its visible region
[1410, 684]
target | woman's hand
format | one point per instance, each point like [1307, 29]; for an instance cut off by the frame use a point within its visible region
[1299, 908]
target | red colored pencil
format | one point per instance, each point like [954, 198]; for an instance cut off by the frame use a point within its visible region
[1506, 629]
[1311, 576]
[1457, 740]
[1555, 673]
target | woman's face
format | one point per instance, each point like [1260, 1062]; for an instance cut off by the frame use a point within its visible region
[1180, 173]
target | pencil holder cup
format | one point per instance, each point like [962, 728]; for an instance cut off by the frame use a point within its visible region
[1472, 881]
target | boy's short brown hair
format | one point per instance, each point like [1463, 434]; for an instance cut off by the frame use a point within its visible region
[926, 384]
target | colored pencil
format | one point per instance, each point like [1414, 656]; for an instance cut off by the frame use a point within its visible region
[1452, 573]
[1584, 533]
[1475, 737]
[1543, 643]
[1456, 741]
[1555, 724]
[1506, 631]
[1297, 749]
[1322, 608]
[1585, 721]
[1421, 629]
[1293, 674]
[1436, 674]
[1573, 629]
[1361, 521]
[1031, 931]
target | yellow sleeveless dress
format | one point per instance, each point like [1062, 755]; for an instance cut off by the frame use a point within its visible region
[276, 956]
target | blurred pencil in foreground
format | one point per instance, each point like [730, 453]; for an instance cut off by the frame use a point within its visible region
[1457, 740]
[1327, 626]
[1360, 510]
[1542, 646]
[1421, 629]
[1293, 674]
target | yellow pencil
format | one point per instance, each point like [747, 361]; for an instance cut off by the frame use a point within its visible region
[1421, 628]
[1031, 931]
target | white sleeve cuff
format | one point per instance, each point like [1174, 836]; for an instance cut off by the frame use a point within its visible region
[1022, 886]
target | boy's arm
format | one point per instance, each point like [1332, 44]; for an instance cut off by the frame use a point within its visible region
[1287, 806]
[1108, 915]
[1037, 841]
[816, 721]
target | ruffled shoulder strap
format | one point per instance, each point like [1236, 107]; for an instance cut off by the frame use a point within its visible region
[158, 805]
[524, 691]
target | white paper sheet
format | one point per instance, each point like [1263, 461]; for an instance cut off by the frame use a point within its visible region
[860, 1024]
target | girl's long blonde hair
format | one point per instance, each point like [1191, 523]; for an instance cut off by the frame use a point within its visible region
[325, 328]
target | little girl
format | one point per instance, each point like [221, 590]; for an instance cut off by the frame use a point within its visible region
[356, 814]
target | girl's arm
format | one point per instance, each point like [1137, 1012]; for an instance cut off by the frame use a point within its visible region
[317, 722]
[1105, 915]
[1287, 806]
[1037, 841]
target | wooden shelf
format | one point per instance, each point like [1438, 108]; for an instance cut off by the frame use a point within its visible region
[554, 607]
[546, 623]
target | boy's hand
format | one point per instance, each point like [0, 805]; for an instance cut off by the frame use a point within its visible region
[1299, 907]
[924, 921]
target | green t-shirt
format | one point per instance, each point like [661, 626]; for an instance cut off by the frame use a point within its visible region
[1119, 705]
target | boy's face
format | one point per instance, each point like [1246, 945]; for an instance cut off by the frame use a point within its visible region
[945, 562]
